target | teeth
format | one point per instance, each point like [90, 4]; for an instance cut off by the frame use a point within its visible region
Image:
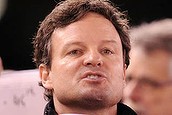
[92, 76]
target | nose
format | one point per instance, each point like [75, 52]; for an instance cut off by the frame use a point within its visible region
[134, 91]
[93, 59]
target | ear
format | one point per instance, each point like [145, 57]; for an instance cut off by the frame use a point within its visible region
[124, 71]
[124, 74]
[45, 76]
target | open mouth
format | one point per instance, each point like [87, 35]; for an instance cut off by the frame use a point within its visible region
[94, 76]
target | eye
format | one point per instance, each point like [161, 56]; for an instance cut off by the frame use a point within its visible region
[128, 79]
[107, 51]
[75, 52]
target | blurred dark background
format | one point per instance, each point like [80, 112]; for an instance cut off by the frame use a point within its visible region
[21, 18]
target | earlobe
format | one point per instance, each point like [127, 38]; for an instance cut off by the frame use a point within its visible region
[45, 76]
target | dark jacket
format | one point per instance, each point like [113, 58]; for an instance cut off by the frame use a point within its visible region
[121, 109]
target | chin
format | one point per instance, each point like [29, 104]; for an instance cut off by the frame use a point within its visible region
[97, 100]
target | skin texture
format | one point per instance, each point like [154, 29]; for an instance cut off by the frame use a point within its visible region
[145, 98]
[90, 46]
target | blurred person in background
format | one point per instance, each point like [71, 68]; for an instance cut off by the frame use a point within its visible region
[2, 11]
[3, 4]
[149, 76]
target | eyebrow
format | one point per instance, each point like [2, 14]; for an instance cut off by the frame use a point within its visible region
[109, 41]
[73, 43]
[81, 43]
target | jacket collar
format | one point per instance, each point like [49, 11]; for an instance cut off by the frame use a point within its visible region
[49, 108]
[121, 109]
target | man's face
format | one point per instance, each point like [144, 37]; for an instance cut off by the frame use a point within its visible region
[149, 87]
[87, 64]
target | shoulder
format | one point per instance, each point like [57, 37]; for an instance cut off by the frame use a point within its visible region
[123, 109]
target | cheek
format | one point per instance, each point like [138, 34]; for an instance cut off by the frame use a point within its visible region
[118, 71]
[64, 70]
[164, 96]
[118, 75]
[65, 65]
[154, 98]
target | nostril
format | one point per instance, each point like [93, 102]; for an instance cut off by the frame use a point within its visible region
[95, 63]
[99, 64]
[93, 59]
[88, 64]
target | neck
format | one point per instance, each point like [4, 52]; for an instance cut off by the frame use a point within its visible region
[62, 109]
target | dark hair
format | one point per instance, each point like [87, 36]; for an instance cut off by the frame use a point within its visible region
[69, 11]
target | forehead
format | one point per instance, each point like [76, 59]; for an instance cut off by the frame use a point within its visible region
[155, 65]
[92, 25]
